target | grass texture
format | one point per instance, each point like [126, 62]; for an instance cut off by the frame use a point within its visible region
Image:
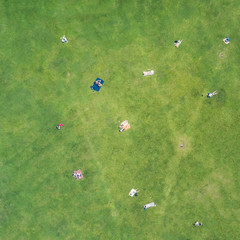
[44, 82]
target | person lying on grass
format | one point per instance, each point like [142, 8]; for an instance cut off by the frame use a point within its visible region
[226, 40]
[98, 82]
[197, 224]
[211, 94]
[148, 73]
[177, 43]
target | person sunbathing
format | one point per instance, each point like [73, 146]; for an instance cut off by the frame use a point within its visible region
[148, 73]
[226, 40]
[126, 127]
[98, 82]
[211, 94]
[177, 43]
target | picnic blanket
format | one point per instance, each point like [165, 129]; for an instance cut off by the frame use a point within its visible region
[95, 87]
[78, 174]
[226, 40]
[152, 204]
[132, 192]
[124, 126]
[148, 73]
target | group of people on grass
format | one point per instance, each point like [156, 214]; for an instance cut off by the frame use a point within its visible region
[147, 73]
[77, 175]
[177, 43]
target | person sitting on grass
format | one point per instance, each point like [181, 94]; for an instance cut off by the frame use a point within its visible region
[226, 40]
[64, 39]
[59, 126]
[98, 82]
[197, 224]
[211, 94]
[177, 43]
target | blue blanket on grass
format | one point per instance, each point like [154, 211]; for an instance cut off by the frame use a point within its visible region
[95, 87]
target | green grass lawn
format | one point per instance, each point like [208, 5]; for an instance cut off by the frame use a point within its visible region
[44, 82]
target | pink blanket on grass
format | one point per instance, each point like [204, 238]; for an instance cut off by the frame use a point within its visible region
[78, 174]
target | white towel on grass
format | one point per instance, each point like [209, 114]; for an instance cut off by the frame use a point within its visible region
[152, 204]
